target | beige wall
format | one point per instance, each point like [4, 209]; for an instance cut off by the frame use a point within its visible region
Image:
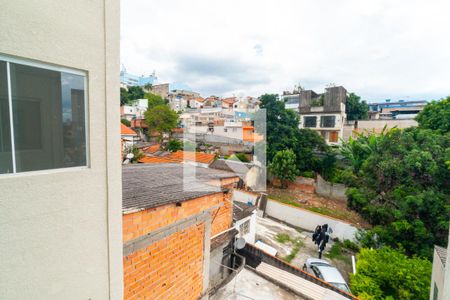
[60, 231]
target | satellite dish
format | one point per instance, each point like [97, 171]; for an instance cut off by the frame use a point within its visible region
[130, 155]
[240, 243]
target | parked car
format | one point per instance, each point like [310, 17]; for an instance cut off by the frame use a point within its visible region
[325, 271]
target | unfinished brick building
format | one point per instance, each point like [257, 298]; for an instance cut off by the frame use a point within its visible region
[169, 227]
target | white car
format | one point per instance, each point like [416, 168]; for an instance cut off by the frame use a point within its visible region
[323, 270]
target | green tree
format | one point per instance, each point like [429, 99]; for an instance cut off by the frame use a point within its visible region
[135, 92]
[400, 185]
[355, 108]
[283, 166]
[154, 100]
[174, 145]
[124, 97]
[282, 133]
[161, 119]
[436, 115]
[389, 274]
[125, 122]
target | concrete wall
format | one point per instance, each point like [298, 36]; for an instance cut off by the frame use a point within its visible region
[245, 197]
[60, 232]
[330, 190]
[309, 220]
[437, 277]
[250, 236]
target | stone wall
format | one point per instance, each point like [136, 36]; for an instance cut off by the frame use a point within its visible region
[330, 190]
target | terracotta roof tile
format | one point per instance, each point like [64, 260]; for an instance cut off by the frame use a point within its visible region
[124, 130]
[157, 160]
[199, 157]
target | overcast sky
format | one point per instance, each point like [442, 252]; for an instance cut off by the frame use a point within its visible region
[378, 49]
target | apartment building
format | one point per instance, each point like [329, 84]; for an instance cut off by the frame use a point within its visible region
[60, 178]
[176, 231]
[324, 113]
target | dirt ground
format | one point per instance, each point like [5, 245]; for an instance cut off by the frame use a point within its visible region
[327, 206]
[267, 231]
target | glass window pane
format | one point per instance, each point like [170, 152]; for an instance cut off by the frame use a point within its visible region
[310, 122]
[327, 121]
[6, 165]
[49, 122]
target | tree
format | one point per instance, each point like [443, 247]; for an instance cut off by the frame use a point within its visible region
[400, 185]
[124, 98]
[135, 92]
[174, 145]
[355, 108]
[125, 122]
[436, 116]
[161, 119]
[389, 274]
[283, 133]
[154, 100]
[283, 166]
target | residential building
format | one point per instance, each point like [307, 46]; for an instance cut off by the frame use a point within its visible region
[161, 90]
[244, 218]
[324, 113]
[291, 100]
[128, 79]
[198, 159]
[135, 110]
[401, 109]
[228, 103]
[128, 135]
[440, 276]
[60, 178]
[177, 231]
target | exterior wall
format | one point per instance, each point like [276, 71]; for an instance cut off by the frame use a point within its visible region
[378, 125]
[245, 197]
[171, 268]
[330, 190]
[61, 229]
[309, 220]
[174, 267]
[437, 277]
[145, 221]
[325, 131]
[250, 236]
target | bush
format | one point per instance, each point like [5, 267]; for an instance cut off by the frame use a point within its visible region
[308, 174]
[389, 274]
[125, 122]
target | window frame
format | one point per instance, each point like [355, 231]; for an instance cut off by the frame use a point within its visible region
[52, 67]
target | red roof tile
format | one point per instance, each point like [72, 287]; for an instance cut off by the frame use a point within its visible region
[124, 130]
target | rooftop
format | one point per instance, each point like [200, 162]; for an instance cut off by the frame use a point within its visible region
[124, 130]
[150, 185]
[442, 253]
[242, 210]
[249, 285]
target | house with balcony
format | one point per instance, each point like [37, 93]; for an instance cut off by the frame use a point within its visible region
[324, 113]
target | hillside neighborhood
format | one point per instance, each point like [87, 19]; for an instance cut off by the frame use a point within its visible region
[269, 232]
[197, 150]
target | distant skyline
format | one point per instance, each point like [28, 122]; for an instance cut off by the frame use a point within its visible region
[379, 49]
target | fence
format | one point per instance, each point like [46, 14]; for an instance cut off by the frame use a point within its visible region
[330, 190]
[308, 220]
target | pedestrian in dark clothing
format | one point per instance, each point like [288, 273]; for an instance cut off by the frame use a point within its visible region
[323, 238]
[316, 233]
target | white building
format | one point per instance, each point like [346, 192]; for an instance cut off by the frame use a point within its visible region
[324, 113]
[60, 172]
[440, 276]
[136, 110]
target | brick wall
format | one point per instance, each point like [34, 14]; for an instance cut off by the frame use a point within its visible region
[171, 268]
[143, 222]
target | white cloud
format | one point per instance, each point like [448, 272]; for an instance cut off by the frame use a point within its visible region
[378, 49]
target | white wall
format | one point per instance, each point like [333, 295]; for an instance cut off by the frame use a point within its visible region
[309, 220]
[250, 236]
[60, 232]
[244, 197]
[437, 276]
